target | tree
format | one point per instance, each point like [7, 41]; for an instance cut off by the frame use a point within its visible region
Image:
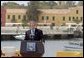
[80, 3]
[61, 5]
[24, 23]
[43, 5]
[4, 4]
[51, 4]
[47, 4]
[70, 3]
[12, 5]
[33, 12]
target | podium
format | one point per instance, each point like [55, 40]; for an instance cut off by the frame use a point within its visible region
[31, 48]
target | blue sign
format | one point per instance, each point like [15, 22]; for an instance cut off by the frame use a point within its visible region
[31, 46]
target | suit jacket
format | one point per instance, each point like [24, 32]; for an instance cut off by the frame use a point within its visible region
[38, 35]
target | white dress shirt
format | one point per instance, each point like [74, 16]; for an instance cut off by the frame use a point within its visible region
[33, 31]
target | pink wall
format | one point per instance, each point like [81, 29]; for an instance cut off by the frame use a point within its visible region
[3, 16]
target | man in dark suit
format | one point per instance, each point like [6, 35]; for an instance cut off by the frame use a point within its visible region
[34, 34]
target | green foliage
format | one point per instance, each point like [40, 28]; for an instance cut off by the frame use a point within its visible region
[80, 3]
[12, 5]
[70, 3]
[33, 12]
[24, 23]
[43, 4]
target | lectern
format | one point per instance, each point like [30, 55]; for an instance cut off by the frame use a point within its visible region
[31, 48]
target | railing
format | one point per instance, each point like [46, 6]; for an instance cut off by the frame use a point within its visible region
[46, 30]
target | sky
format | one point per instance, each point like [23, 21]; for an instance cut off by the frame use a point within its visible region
[19, 2]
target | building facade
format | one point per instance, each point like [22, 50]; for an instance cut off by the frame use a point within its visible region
[53, 16]
[3, 16]
[61, 16]
[15, 15]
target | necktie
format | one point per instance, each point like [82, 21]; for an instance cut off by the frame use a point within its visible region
[32, 33]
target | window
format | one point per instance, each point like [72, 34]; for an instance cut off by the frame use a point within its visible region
[76, 11]
[8, 16]
[73, 18]
[76, 17]
[24, 17]
[69, 18]
[63, 18]
[47, 17]
[81, 18]
[53, 18]
[13, 16]
[19, 17]
[42, 17]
